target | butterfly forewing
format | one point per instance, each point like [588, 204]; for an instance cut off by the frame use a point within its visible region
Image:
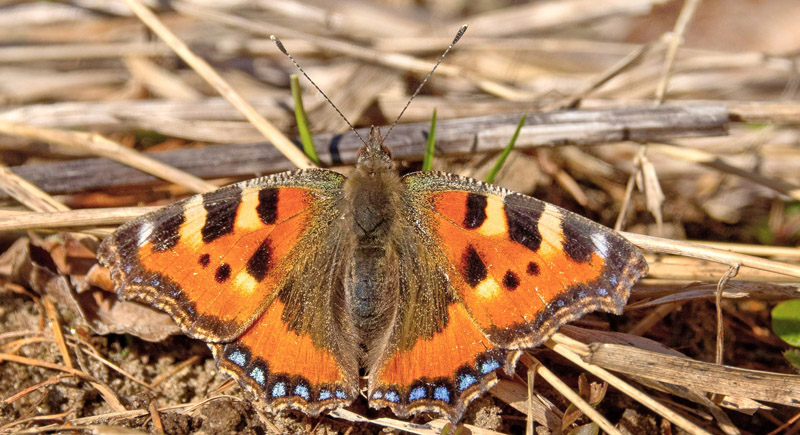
[251, 267]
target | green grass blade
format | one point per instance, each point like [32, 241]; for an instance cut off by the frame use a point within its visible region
[427, 162]
[502, 159]
[302, 121]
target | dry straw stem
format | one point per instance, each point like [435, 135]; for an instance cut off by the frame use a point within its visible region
[687, 249]
[687, 12]
[393, 60]
[174, 370]
[26, 193]
[158, 425]
[759, 250]
[92, 352]
[682, 268]
[47, 382]
[716, 162]
[570, 395]
[278, 139]
[573, 350]
[50, 311]
[72, 218]
[101, 146]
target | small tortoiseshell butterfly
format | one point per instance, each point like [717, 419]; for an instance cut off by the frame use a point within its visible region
[429, 282]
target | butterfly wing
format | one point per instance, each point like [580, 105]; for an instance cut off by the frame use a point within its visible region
[252, 269]
[511, 270]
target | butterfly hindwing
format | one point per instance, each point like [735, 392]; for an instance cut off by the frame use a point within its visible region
[235, 268]
[515, 269]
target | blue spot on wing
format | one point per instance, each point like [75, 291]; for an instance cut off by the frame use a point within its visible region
[465, 381]
[341, 394]
[489, 366]
[302, 391]
[279, 389]
[324, 395]
[441, 393]
[238, 357]
[392, 397]
[416, 394]
[258, 375]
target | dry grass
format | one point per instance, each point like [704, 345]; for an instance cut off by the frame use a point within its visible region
[693, 351]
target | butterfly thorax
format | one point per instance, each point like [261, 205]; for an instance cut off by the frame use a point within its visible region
[373, 192]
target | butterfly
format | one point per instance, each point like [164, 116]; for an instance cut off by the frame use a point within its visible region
[430, 283]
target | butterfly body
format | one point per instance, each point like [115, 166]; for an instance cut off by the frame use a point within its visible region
[429, 283]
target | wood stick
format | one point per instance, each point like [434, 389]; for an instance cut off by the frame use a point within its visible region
[456, 136]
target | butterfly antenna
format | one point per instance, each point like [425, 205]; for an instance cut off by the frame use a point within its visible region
[419, 88]
[283, 50]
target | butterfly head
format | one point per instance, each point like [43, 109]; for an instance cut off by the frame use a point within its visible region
[374, 157]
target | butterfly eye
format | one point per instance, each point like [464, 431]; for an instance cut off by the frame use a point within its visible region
[386, 150]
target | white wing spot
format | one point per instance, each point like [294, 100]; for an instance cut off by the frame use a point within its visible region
[145, 230]
[601, 243]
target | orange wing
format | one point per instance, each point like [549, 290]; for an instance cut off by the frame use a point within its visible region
[517, 269]
[230, 267]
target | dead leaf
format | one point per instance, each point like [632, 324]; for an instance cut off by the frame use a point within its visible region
[40, 265]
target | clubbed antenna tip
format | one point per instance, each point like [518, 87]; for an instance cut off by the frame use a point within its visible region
[279, 44]
[425, 80]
